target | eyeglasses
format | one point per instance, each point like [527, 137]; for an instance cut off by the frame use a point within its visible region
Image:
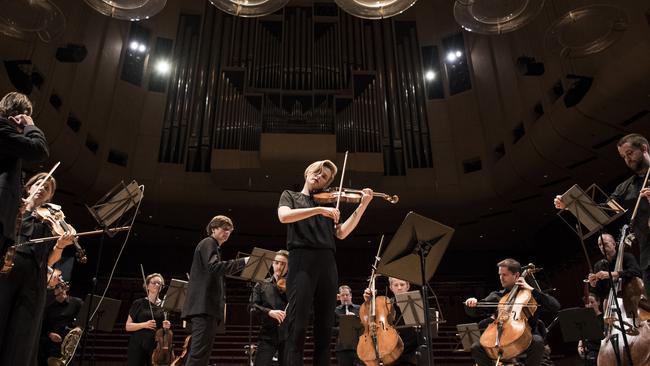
[157, 283]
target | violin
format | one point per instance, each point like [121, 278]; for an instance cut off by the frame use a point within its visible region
[349, 195]
[164, 352]
[180, 360]
[52, 215]
[510, 334]
[281, 284]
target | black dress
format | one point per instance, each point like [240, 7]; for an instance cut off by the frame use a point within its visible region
[142, 342]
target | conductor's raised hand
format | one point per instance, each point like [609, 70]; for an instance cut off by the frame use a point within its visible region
[558, 203]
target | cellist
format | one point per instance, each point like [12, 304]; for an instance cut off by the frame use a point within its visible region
[510, 275]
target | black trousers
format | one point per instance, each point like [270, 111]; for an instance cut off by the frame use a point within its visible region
[204, 328]
[348, 357]
[266, 349]
[534, 353]
[141, 347]
[312, 281]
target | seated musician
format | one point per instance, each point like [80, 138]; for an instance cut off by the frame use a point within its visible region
[588, 350]
[59, 318]
[510, 275]
[410, 336]
[345, 355]
[599, 280]
[269, 300]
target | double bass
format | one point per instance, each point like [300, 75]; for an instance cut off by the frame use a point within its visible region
[380, 344]
[509, 335]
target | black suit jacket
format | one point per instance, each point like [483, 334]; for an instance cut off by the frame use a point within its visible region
[15, 147]
[206, 293]
[339, 311]
[267, 297]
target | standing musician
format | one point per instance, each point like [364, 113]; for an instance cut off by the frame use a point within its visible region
[588, 350]
[142, 326]
[206, 294]
[313, 279]
[634, 150]
[59, 318]
[599, 280]
[20, 140]
[409, 335]
[510, 275]
[269, 300]
[24, 288]
[346, 356]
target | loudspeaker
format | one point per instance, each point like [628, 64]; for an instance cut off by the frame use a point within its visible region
[528, 67]
[577, 90]
[71, 53]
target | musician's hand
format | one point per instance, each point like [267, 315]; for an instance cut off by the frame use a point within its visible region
[559, 204]
[593, 279]
[645, 192]
[278, 315]
[55, 337]
[581, 349]
[523, 284]
[149, 324]
[471, 302]
[602, 275]
[332, 213]
[167, 324]
[366, 294]
[246, 260]
[65, 240]
[366, 196]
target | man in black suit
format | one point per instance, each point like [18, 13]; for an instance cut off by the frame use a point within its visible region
[345, 354]
[20, 140]
[269, 300]
[206, 294]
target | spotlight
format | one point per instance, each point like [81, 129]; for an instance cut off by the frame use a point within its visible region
[458, 54]
[451, 56]
[430, 75]
[142, 48]
[134, 45]
[163, 67]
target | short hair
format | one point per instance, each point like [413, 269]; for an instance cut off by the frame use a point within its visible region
[391, 279]
[219, 221]
[634, 139]
[600, 238]
[318, 166]
[511, 264]
[283, 253]
[150, 277]
[344, 287]
[38, 176]
[13, 104]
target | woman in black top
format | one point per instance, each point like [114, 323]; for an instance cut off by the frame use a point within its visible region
[24, 288]
[142, 341]
[312, 279]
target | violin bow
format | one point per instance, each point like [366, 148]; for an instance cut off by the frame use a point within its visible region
[144, 281]
[338, 199]
[43, 181]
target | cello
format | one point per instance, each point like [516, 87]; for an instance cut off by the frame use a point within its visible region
[380, 344]
[510, 334]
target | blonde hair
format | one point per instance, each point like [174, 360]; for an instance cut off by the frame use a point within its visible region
[318, 166]
[150, 277]
[13, 104]
[38, 176]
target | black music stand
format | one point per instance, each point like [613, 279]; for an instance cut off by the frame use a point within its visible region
[349, 331]
[108, 211]
[103, 319]
[413, 255]
[468, 334]
[579, 324]
[175, 296]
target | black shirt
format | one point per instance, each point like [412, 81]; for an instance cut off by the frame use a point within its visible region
[32, 228]
[60, 317]
[140, 313]
[626, 195]
[315, 232]
[630, 270]
[266, 297]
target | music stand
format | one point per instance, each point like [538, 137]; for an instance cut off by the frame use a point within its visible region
[258, 266]
[579, 324]
[468, 334]
[411, 308]
[349, 331]
[175, 296]
[105, 315]
[413, 255]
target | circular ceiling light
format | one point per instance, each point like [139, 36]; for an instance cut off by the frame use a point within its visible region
[249, 8]
[23, 18]
[132, 10]
[587, 30]
[374, 9]
[495, 16]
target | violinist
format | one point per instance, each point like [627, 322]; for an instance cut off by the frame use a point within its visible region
[313, 279]
[59, 318]
[346, 356]
[20, 140]
[269, 301]
[410, 337]
[588, 350]
[599, 280]
[634, 150]
[142, 326]
[24, 288]
[509, 276]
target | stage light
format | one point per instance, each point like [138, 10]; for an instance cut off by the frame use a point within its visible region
[142, 48]
[458, 53]
[451, 57]
[134, 45]
[430, 75]
[163, 67]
